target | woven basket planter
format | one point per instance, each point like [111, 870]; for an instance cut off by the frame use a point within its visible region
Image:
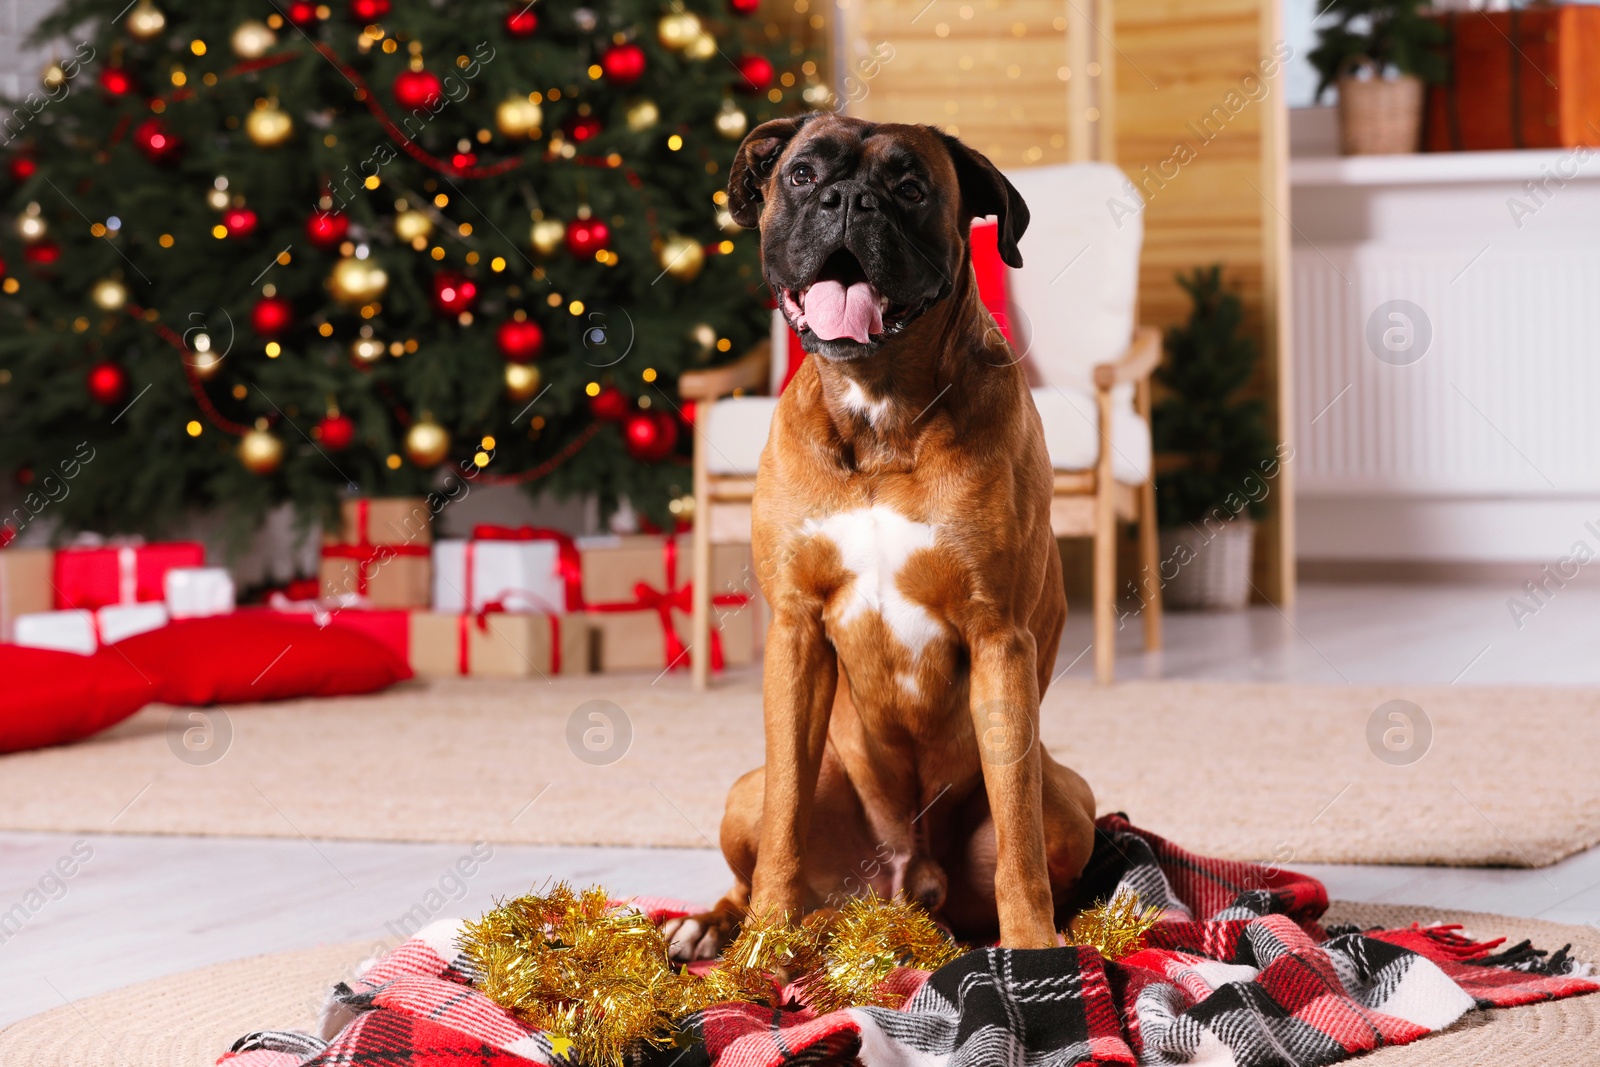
[1378, 115]
[1213, 566]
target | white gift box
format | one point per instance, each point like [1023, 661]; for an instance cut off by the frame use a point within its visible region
[523, 575]
[197, 592]
[84, 631]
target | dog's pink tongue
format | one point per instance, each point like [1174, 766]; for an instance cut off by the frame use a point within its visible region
[832, 311]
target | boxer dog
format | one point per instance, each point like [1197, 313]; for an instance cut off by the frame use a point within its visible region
[901, 527]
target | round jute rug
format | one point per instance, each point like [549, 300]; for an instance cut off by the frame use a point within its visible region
[188, 1020]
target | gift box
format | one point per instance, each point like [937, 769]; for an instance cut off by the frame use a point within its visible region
[502, 568]
[25, 589]
[83, 631]
[389, 627]
[380, 554]
[1524, 78]
[499, 644]
[89, 578]
[197, 592]
[641, 614]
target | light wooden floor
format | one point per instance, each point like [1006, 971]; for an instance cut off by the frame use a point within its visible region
[141, 907]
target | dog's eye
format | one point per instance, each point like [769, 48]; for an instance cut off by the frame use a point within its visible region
[910, 191]
[803, 175]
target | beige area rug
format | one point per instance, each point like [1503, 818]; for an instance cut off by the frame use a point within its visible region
[1256, 772]
[187, 1020]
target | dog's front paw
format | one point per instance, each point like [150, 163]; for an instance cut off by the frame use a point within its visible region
[698, 937]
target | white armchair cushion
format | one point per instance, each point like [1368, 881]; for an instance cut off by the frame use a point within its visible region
[1072, 432]
[1073, 303]
[736, 430]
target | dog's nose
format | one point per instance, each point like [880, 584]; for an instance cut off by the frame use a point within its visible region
[836, 196]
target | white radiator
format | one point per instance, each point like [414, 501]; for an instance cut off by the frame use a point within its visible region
[1506, 401]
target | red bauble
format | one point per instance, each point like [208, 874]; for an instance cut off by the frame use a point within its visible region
[609, 404]
[756, 72]
[366, 11]
[585, 237]
[579, 128]
[744, 7]
[326, 229]
[116, 81]
[271, 316]
[650, 436]
[520, 342]
[22, 168]
[301, 13]
[415, 89]
[453, 292]
[239, 221]
[107, 382]
[463, 160]
[158, 143]
[623, 64]
[521, 21]
[686, 412]
[41, 253]
[336, 432]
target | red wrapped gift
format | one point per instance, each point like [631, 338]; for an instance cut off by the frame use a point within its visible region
[391, 628]
[91, 578]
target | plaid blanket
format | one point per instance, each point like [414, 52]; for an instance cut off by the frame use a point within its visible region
[1237, 972]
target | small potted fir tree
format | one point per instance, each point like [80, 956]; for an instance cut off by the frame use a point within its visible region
[1379, 53]
[1217, 457]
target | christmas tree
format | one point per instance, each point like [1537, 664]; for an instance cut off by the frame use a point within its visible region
[266, 251]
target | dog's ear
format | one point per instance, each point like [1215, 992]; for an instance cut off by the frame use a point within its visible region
[985, 192]
[753, 164]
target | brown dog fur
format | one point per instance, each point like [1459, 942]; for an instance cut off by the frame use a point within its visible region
[884, 769]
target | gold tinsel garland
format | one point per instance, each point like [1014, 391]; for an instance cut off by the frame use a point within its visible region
[597, 979]
[1116, 929]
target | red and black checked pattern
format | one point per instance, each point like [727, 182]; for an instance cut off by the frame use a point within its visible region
[1238, 968]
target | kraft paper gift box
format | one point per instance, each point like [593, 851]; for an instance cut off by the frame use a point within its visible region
[84, 631]
[501, 645]
[637, 638]
[90, 578]
[24, 585]
[199, 592]
[381, 553]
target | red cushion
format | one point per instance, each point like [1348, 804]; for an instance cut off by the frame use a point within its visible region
[53, 698]
[250, 656]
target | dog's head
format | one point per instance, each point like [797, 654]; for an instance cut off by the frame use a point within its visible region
[864, 226]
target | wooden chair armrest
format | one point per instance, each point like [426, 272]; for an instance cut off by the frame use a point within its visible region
[1142, 357]
[749, 371]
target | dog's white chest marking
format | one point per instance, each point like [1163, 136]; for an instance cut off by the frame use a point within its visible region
[874, 544]
[857, 400]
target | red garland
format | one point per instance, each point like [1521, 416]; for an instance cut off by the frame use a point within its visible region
[216, 418]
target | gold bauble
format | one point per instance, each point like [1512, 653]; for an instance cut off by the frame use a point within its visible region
[642, 114]
[682, 257]
[217, 199]
[732, 122]
[704, 335]
[109, 294]
[260, 451]
[726, 222]
[547, 235]
[702, 47]
[427, 443]
[54, 76]
[517, 116]
[409, 225]
[678, 29]
[206, 364]
[522, 380]
[819, 96]
[145, 21]
[31, 226]
[252, 39]
[268, 126]
[355, 282]
[365, 351]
